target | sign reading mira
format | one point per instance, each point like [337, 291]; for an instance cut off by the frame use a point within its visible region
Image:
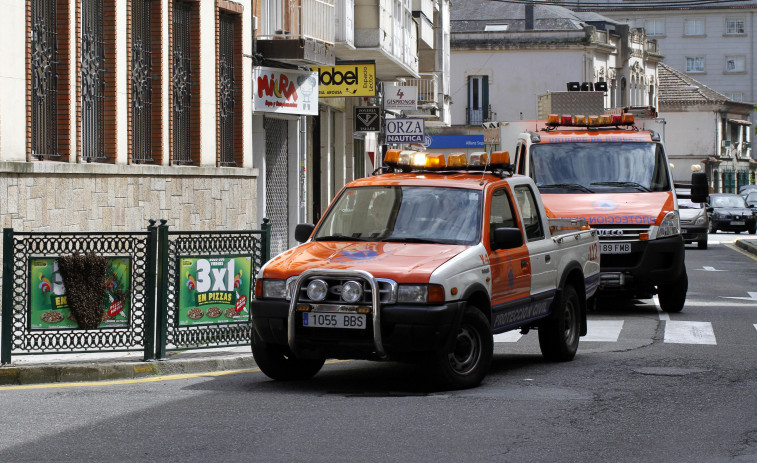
[410, 130]
[285, 91]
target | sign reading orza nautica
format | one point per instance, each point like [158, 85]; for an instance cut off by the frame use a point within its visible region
[285, 91]
[214, 289]
[410, 130]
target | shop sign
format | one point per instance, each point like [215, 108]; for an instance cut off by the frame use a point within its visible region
[214, 290]
[410, 130]
[285, 91]
[48, 301]
[349, 79]
[367, 119]
[400, 97]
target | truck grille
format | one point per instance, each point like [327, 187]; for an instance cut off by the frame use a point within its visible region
[611, 233]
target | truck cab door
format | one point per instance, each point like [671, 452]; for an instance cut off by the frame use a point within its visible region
[510, 268]
[543, 268]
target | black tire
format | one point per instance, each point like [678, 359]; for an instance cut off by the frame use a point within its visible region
[469, 361]
[752, 230]
[279, 364]
[702, 244]
[559, 334]
[672, 297]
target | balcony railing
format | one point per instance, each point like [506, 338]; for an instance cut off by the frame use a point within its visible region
[479, 116]
[428, 87]
[295, 19]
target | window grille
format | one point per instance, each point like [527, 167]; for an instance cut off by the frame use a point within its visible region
[44, 78]
[181, 82]
[226, 88]
[92, 80]
[141, 81]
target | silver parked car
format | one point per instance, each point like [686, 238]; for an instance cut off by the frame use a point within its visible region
[694, 222]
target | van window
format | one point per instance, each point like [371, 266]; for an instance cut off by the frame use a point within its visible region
[529, 212]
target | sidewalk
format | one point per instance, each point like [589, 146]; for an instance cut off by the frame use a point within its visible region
[749, 245]
[63, 368]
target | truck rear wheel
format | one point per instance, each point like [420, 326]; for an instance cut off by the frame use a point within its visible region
[471, 355]
[672, 297]
[558, 336]
[278, 363]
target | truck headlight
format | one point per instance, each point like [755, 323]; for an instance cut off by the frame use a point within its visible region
[670, 225]
[352, 291]
[274, 289]
[317, 290]
[420, 294]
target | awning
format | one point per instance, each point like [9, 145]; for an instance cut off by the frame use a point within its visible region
[739, 122]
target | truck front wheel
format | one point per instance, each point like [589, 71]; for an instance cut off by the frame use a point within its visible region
[672, 297]
[558, 336]
[468, 362]
[278, 363]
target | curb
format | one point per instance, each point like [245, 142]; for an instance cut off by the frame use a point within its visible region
[749, 246]
[93, 371]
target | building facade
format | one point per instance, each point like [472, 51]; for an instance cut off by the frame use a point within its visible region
[205, 113]
[713, 42]
[504, 55]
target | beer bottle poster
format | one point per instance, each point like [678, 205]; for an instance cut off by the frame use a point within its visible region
[48, 303]
[214, 289]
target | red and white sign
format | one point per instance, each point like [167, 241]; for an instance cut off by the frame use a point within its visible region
[285, 91]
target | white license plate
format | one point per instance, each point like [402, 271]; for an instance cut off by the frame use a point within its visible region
[737, 222]
[334, 320]
[615, 248]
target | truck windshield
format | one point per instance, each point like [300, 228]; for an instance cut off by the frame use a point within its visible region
[599, 167]
[409, 214]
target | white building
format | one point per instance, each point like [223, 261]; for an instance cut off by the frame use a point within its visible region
[707, 129]
[714, 42]
[504, 55]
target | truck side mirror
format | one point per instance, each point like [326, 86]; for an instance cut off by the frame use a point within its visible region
[700, 188]
[506, 238]
[303, 231]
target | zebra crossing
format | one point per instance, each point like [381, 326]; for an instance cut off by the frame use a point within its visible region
[676, 332]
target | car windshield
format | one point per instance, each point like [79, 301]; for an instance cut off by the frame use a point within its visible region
[599, 167]
[410, 214]
[728, 201]
[752, 197]
[685, 203]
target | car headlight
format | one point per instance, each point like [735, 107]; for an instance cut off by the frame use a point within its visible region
[317, 290]
[670, 225]
[700, 220]
[274, 289]
[352, 291]
[420, 294]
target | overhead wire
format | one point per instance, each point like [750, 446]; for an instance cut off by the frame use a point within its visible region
[649, 5]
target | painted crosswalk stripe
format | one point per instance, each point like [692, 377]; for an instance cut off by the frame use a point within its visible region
[603, 330]
[508, 336]
[755, 326]
[683, 332]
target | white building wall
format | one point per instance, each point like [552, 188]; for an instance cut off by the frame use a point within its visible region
[12, 80]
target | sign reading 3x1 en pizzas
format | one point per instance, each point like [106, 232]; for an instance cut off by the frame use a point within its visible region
[354, 79]
[410, 130]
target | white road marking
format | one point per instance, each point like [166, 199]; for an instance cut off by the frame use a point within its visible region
[508, 336]
[683, 332]
[752, 297]
[710, 269]
[755, 326]
[603, 330]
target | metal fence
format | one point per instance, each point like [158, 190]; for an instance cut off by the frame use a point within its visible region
[147, 267]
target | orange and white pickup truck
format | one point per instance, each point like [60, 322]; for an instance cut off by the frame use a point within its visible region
[426, 263]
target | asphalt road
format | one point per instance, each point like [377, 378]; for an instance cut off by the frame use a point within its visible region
[645, 387]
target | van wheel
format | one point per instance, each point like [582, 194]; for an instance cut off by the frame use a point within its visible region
[468, 362]
[278, 363]
[702, 244]
[672, 297]
[558, 336]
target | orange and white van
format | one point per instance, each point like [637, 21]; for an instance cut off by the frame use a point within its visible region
[426, 263]
[604, 170]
